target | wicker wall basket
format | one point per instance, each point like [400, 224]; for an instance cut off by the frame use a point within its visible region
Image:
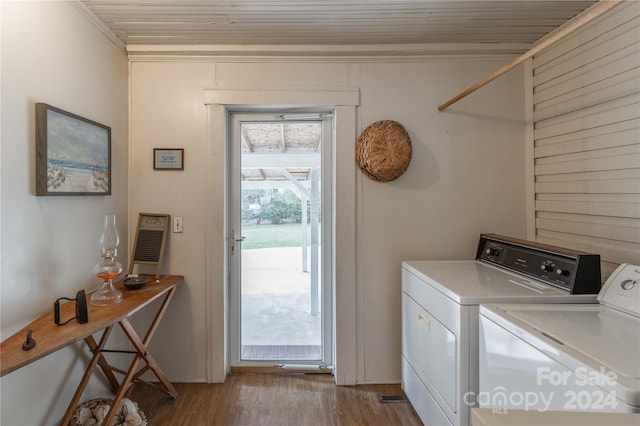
[383, 150]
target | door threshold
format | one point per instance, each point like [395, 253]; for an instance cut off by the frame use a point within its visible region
[281, 368]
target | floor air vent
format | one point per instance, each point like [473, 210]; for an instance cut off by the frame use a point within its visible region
[392, 397]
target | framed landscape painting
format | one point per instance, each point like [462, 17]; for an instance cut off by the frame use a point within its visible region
[73, 154]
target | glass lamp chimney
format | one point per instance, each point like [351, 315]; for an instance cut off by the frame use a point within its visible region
[109, 239]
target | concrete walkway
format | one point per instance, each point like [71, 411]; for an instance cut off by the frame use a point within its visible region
[276, 299]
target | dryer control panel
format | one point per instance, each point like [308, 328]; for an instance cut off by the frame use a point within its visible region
[573, 271]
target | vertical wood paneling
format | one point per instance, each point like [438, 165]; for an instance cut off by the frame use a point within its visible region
[586, 123]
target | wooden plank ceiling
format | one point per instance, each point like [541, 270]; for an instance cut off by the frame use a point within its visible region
[323, 22]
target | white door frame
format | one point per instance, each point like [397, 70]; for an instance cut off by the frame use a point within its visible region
[344, 103]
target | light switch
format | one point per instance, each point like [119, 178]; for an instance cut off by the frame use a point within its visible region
[177, 224]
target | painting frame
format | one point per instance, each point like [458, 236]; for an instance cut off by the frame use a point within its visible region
[73, 154]
[168, 159]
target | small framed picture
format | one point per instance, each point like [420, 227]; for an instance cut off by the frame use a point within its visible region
[168, 159]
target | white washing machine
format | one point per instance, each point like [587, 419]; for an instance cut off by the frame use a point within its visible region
[565, 357]
[440, 303]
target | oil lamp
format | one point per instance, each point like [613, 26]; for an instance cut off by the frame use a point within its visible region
[109, 268]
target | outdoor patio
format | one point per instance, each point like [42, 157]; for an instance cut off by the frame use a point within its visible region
[276, 307]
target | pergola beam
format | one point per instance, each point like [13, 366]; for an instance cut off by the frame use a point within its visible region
[280, 161]
[271, 184]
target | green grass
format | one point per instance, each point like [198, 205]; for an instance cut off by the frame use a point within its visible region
[269, 236]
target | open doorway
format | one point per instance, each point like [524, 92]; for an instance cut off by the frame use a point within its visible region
[280, 239]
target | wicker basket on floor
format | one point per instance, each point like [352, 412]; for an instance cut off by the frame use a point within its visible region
[383, 150]
[92, 404]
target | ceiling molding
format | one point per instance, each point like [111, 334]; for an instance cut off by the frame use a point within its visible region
[322, 59]
[328, 51]
[80, 7]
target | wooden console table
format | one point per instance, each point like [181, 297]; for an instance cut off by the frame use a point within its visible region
[50, 337]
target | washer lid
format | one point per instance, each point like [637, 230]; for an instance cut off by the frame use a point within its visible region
[609, 337]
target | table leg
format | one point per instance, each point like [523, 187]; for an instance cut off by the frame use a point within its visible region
[104, 365]
[141, 346]
[85, 378]
[142, 353]
[126, 382]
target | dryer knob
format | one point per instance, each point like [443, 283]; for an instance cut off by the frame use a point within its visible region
[546, 267]
[493, 251]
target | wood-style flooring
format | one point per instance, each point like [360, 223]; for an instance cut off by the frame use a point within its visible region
[274, 399]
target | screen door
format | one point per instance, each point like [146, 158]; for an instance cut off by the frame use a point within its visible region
[279, 238]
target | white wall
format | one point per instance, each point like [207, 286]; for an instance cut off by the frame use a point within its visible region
[52, 54]
[466, 177]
